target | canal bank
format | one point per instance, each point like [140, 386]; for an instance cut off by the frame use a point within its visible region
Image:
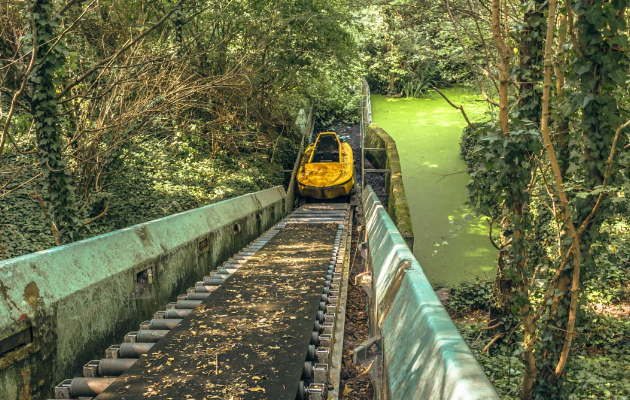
[450, 242]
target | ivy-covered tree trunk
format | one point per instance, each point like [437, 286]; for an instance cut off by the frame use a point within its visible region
[599, 68]
[58, 182]
[529, 75]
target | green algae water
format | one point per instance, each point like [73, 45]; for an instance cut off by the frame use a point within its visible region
[450, 243]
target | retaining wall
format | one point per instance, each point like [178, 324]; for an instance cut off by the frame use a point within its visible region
[63, 306]
[397, 205]
[424, 356]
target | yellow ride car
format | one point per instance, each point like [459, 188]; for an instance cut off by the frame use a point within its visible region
[327, 168]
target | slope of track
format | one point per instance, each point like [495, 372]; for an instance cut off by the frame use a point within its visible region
[249, 339]
[450, 244]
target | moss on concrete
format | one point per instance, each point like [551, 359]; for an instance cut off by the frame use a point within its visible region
[80, 298]
[397, 206]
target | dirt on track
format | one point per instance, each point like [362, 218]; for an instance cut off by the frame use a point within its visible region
[356, 382]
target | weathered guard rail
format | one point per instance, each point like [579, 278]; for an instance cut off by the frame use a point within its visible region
[397, 205]
[424, 356]
[62, 306]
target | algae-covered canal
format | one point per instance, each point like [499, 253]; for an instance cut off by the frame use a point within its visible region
[450, 244]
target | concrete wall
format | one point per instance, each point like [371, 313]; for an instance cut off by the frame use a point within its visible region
[397, 205]
[63, 306]
[424, 356]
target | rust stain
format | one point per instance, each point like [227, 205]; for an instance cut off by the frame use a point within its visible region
[31, 294]
[25, 393]
[5, 294]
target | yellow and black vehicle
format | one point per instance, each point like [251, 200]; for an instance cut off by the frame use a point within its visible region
[327, 168]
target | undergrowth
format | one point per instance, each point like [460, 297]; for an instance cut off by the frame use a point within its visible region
[153, 180]
[600, 364]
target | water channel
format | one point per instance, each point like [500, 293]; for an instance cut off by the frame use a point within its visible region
[451, 243]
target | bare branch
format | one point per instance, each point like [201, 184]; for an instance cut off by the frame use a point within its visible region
[460, 108]
[119, 52]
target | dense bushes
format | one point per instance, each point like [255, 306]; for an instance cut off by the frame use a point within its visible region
[146, 110]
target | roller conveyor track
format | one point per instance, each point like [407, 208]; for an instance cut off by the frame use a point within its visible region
[262, 326]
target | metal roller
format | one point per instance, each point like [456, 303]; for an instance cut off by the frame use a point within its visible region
[197, 296]
[307, 371]
[133, 350]
[204, 289]
[315, 338]
[214, 282]
[321, 317]
[109, 367]
[150, 336]
[82, 387]
[187, 304]
[164, 324]
[177, 313]
[311, 353]
[302, 393]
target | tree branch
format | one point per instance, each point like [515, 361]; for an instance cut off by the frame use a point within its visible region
[119, 52]
[5, 129]
[460, 108]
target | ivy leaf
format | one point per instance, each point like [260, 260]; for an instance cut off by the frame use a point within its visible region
[618, 76]
[587, 99]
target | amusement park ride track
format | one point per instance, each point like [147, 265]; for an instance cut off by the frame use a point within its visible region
[265, 325]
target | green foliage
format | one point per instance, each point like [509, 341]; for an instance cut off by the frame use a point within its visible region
[499, 165]
[609, 284]
[154, 180]
[214, 89]
[470, 296]
[58, 180]
[599, 370]
[416, 89]
[413, 44]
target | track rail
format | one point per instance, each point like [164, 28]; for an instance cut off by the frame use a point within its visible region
[265, 324]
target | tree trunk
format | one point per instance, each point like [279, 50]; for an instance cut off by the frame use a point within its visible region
[58, 181]
[504, 66]
[531, 62]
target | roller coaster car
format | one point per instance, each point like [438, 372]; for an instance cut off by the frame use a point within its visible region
[327, 168]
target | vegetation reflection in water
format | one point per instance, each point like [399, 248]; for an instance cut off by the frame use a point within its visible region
[450, 243]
